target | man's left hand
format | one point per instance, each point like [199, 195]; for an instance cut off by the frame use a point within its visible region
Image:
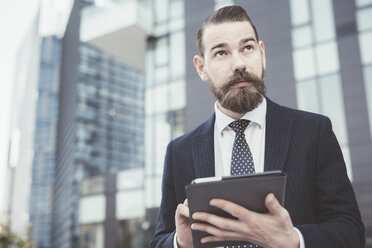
[269, 230]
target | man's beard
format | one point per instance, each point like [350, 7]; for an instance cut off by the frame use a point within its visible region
[241, 99]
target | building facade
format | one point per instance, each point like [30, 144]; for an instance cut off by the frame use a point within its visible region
[42, 179]
[100, 132]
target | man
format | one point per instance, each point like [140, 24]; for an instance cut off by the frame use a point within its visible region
[320, 209]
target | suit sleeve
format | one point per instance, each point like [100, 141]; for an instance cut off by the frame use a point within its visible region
[337, 220]
[165, 229]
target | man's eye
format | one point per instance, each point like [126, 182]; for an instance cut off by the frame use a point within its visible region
[248, 48]
[220, 53]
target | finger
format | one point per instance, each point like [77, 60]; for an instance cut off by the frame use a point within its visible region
[217, 221]
[186, 202]
[232, 208]
[183, 210]
[273, 204]
[208, 239]
[216, 233]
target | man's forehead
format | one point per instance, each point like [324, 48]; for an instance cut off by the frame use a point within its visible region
[214, 33]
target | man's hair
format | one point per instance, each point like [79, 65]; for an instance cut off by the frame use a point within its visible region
[232, 13]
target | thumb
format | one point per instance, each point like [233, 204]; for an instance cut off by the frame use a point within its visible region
[272, 204]
[186, 202]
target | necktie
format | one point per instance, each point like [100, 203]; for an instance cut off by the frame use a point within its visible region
[241, 159]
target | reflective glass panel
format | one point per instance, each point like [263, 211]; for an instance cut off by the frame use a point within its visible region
[364, 19]
[177, 9]
[327, 58]
[89, 214]
[161, 10]
[153, 191]
[161, 51]
[161, 74]
[222, 3]
[160, 98]
[323, 20]
[299, 12]
[361, 3]
[130, 204]
[163, 136]
[130, 179]
[333, 105]
[307, 96]
[302, 36]
[177, 95]
[303, 61]
[177, 54]
[365, 41]
[368, 89]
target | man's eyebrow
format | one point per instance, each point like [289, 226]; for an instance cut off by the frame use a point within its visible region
[243, 41]
[218, 46]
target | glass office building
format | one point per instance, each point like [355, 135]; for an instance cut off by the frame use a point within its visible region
[165, 90]
[109, 134]
[317, 67]
[45, 142]
[110, 115]
[100, 132]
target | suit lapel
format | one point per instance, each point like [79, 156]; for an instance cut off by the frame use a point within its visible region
[203, 150]
[278, 135]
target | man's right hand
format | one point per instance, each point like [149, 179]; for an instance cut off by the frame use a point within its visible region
[183, 230]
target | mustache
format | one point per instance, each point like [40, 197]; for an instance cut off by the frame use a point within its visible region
[243, 76]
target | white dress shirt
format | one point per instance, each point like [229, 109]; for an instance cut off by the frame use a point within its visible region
[224, 138]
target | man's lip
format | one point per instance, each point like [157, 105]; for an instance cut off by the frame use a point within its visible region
[241, 84]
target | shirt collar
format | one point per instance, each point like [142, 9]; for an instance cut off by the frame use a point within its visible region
[257, 115]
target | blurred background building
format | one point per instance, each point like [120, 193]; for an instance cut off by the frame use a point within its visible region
[119, 84]
[43, 166]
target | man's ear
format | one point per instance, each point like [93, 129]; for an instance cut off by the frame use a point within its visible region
[200, 68]
[262, 49]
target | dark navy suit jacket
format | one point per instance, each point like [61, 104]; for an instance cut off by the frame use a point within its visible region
[318, 197]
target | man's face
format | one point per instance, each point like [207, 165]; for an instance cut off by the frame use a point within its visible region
[233, 64]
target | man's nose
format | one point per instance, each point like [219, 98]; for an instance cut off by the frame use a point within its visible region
[238, 63]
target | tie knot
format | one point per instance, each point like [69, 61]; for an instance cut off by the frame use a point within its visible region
[239, 126]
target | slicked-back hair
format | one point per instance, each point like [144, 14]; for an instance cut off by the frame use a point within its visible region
[232, 13]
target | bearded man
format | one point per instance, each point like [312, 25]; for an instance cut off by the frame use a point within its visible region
[320, 209]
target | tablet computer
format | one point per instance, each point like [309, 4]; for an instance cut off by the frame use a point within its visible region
[247, 190]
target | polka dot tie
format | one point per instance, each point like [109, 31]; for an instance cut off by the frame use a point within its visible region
[241, 159]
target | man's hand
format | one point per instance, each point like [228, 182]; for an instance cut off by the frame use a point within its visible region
[184, 238]
[273, 229]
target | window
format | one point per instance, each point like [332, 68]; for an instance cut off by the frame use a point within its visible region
[364, 19]
[368, 89]
[307, 96]
[362, 3]
[333, 105]
[323, 20]
[302, 36]
[299, 12]
[177, 54]
[365, 41]
[222, 3]
[304, 64]
[327, 58]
